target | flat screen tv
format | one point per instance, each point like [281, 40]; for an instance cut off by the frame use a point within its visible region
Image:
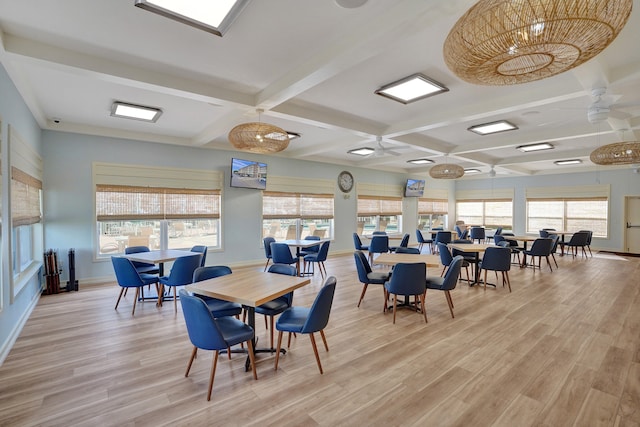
[248, 174]
[414, 188]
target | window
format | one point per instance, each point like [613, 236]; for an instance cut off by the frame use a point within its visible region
[379, 213]
[26, 213]
[488, 213]
[148, 216]
[570, 208]
[297, 215]
[569, 215]
[432, 213]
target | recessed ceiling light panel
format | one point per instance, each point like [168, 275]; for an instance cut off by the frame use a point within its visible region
[420, 161]
[364, 151]
[535, 147]
[493, 127]
[212, 16]
[135, 112]
[471, 171]
[568, 162]
[412, 88]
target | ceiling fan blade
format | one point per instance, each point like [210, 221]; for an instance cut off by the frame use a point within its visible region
[620, 115]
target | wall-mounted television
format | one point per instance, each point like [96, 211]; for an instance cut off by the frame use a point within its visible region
[414, 188]
[248, 174]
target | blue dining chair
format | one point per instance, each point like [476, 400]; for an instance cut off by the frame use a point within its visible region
[281, 254]
[218, 307]
[422, 241]
[379, 245]
[497, 259]
[276, 306]
[358, 243]
[207, 333]
[128, 277]
[541, 248]
[267, 249]
[142, 267]
[403, 250]
[446, 258]
[477, 233]
[407, 279]
[181, 274]
[303, 320]
[203, 250]
[368, 277]
[379, 233]
[319, 258]
[403, 243]
[442, 237]
[311, 249]
[448, 282]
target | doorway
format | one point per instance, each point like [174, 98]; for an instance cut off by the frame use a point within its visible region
[632, 225]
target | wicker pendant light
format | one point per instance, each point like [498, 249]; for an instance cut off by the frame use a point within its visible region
[446, 171]
[258, 137]
[619, 153]
[505, 42]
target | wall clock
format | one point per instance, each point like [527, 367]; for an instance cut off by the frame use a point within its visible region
[345, 181]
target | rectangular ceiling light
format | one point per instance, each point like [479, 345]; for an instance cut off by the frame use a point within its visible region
[568, 162]
[136, 112]
[420, 161]
[473, 170]
[364, 151]
[493, 127]
[212, 16]
[535, 147]
[412, 88]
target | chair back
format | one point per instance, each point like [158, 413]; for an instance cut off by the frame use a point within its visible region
[136, 250]
[556, 239]
[458, 230]
[419, 236]
[405, 241]
[362, 265]
[203, 250]
[126, 273]
[285, 269]
[451, 276]
[323, 252]
[443, 237]
[182, 270]
[201, 326]
[403, 250]
[589, 235]
[357, 242]
[477, 233]
[314, 248]
[267, 246]
[280, 254]
[408, 279]
[579, 239]
[543, 233]
[498, 231]
[379, 233]
[210, 272]
[379, 244]
[497, 238]
[497, 259]
[445, 254]
[321, 309]
[541, 247]
[464, 234]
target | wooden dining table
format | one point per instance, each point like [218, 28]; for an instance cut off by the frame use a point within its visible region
[301, 244]
[250, 288]
[474, 248]
[524, 240]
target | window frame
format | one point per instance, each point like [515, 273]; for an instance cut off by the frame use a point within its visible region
[296, 210]
[484, 215]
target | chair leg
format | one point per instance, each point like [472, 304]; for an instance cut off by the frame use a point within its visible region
[447, 294]
[266, 265]
[214, 363]
[175, 300]
[443, 270]
[506, 274]
[193, 356]
[271, 331]
[122, 290]
[554, 259]
[289, 340]
[278, 349]
[395, 302]
[324, 340]
[315, 351]
[364, 290]
[424, 310]
[252, 359]
[134, 301]
[548, 263]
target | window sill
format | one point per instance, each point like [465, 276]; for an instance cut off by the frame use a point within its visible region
[21, 279]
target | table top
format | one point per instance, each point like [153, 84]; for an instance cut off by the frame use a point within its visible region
[522, 238]
[249, 287]
[389, 235]
[470, 247]
[392, 258]
[303, 243]
[159, 256]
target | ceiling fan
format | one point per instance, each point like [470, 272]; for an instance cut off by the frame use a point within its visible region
[380, 150]
[601, 109]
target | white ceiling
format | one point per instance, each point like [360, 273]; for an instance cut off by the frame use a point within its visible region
[313, 67]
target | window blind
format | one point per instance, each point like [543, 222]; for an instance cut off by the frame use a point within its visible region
[372, 205]
[433, 206]
[25, 198]
[278, 205]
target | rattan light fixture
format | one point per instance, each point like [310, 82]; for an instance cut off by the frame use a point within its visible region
[258, 137]
[505, 42]
[446, 171]
[619, 153]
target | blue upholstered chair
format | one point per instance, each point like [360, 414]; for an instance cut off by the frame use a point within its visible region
[267, 249]
[319, 258]
[581, 239]
[181, 274]
[281, 254]
[208, 333]
[379, 245]
[403, 250]
[477, 233]
[422, 241]
[442, 237]
[458, 230]
[311, 249]
[500, 240]
[303, 320]
[357, 243]
[368, 277]
[408, 279]
[203, 250]
[448, 282]
[379, 233]
[590, 233]
[403, 243]
[541, 248]
[274, 307]
[446, 258]
[497, 259]
[128, 277]
[218, 307]
[142, 267]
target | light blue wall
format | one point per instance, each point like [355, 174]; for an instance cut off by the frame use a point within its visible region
[14, 311]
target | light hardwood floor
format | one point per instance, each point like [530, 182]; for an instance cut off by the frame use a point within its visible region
[562, 349]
